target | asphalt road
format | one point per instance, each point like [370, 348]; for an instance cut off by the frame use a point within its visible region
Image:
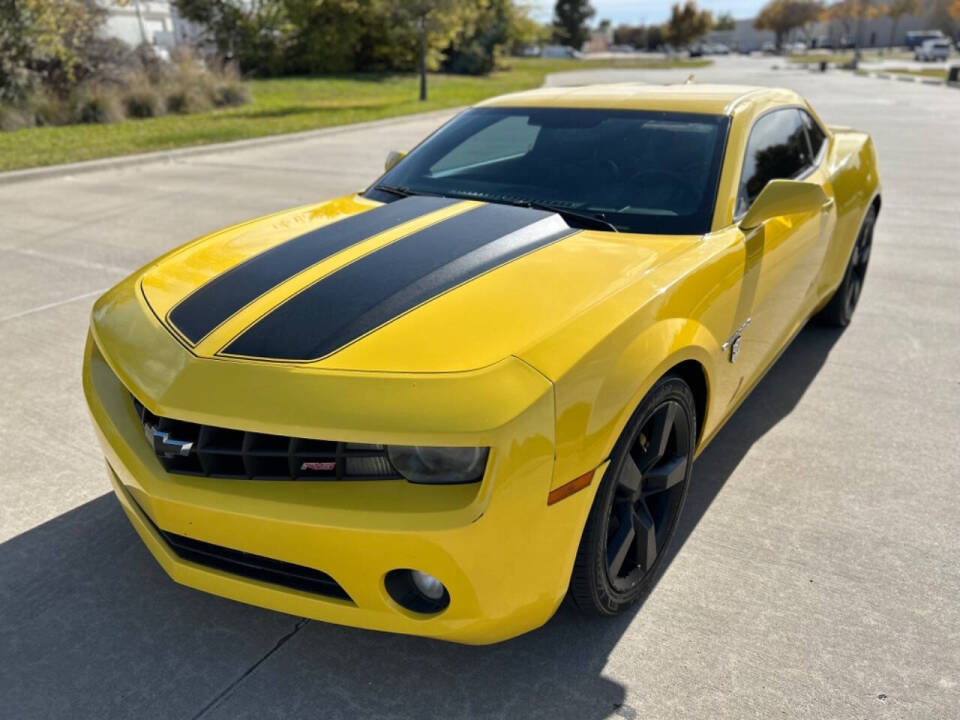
[817, 573]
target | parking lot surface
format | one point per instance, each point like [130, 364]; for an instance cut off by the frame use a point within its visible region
[816, 573]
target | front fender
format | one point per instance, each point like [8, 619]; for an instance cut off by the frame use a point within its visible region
[596, 398]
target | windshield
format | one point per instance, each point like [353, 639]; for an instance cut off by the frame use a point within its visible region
[639, 171]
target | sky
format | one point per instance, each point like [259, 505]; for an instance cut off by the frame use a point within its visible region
[636, 12]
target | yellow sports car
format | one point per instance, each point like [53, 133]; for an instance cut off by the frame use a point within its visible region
[441, 405]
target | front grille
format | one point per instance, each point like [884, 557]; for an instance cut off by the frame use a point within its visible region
[187, 448]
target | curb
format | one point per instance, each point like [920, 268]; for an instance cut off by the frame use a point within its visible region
[879, 75]
[159, 156]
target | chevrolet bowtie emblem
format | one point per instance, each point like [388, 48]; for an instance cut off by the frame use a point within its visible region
[164, 445]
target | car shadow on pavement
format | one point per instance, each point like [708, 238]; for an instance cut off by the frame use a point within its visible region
[92, 628]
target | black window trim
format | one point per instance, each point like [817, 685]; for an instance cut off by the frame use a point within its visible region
[818, 158]
[814, 164]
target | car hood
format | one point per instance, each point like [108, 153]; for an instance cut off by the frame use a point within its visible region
[422, 284]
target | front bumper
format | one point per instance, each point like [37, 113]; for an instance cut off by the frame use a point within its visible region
[503, 553]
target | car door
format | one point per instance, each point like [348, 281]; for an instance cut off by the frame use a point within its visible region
[783, 255]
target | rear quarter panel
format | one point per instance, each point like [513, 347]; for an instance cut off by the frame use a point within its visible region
[852, 166]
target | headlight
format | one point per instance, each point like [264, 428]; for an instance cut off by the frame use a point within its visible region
[438, 465]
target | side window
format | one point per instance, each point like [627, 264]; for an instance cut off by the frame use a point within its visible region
[777, 148]
[506, 138]
[815, 134]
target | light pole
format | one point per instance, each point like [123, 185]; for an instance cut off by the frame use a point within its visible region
[143, 29]
[860, 6]
[423, 56]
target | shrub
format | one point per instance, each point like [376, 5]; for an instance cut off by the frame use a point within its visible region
[13, 118]
[470, 59]
[97, 104]
[188, 98]
[143, 101]
[230, 93]
[143, 87]
[50, 109]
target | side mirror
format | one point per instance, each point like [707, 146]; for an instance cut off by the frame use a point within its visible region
[783, 197]
[393, 157]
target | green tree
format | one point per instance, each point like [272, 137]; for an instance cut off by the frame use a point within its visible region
[46, 42]
[687, 23]
[570, 22]
[633, 35]
[655, 37]
[725, 21]
[525, 30]
[254, 34]
[783, 16]
[942, 17]
[434, 24]
[482, 40]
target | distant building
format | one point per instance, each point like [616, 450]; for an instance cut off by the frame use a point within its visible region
[154, 22]
[600, 40]
[874, 32]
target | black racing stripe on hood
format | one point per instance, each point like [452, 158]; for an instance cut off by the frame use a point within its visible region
[380, 287]
[209, 305]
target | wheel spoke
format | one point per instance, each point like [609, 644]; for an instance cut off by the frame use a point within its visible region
[646, 537]
[854, 292]
[658, 460]
[630, 480]
[661, 425]
[665, 475]
[619, 545]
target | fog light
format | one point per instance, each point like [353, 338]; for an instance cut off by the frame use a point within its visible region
[427, 584]
[417, 591]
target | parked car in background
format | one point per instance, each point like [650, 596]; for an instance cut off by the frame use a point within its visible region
[560, 51]
[769, 48]
[916, 38]
[932, 50]
[721, 49]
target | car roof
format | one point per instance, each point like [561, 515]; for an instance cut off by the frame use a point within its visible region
[690, 97]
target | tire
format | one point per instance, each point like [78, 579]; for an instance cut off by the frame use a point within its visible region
[839, 310]
[641, 496]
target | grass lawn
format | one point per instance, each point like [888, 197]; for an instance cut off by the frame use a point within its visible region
[288, 105]
[938, 73]
[845, 56]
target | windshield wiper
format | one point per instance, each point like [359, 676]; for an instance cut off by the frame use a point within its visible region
[591, 219]
[398, 191]
[596, 220]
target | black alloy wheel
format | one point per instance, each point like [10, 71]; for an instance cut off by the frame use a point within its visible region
[638, 504]
[839, 310]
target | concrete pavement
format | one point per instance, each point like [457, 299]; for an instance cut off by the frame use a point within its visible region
[817, 572]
